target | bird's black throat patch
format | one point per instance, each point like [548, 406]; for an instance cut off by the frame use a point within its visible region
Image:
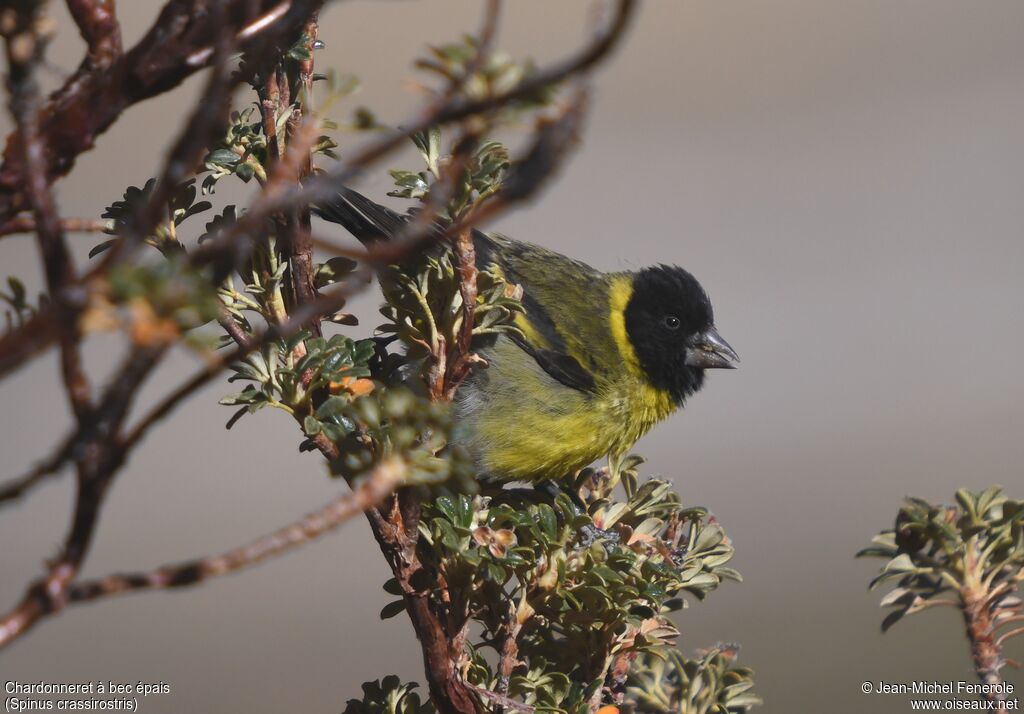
[664, 296]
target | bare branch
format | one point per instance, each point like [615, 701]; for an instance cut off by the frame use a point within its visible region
[297, 244]
[58, 266]
[98, 457]
[18, 487]
[369, 493]
[94, 97]
[97, 21]
[27, 224]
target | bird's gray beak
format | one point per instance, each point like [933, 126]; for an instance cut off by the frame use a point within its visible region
[711, 351]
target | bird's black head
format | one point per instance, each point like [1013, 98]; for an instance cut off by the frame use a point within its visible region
[670, 323]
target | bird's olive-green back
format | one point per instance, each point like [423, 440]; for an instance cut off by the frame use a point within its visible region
[566, 302]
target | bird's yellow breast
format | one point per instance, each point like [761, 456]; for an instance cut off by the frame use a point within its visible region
[522, 424]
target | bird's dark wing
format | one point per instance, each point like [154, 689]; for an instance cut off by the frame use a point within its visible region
[560, 366]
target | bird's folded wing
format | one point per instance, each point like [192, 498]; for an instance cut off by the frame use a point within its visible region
[560, 366]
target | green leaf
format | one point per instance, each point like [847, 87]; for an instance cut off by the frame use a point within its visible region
[393, 608]
[101, 247]
[223, 156]
[311, 426]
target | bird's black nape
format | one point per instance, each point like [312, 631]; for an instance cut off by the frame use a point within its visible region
[667, 311]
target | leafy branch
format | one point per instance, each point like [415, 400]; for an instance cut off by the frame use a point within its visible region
[969, 556]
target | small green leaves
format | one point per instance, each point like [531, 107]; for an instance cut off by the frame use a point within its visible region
[242, 151]
[425, 310]
[392, 609]
[300, 50]
[280, 379]
[497, 73]
[674, 684]
[482, 177]
[333, 270]
[17, 300]
[952, 555]
[389, 696]
[429, 144]
[410, 184]
[219, 223]
[162, 300]
[125, 213]
[517, 558]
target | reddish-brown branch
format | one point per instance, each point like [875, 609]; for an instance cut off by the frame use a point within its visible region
[27, 224]
[976, 606]
[37, 335]
[395, 526]
[97, 21]
[987, 655]
[461, 363]
[98, 459]
[18, 487]
[370, 492]
[508, 650]
[397, 539]
[58, 267]
[177, 45]
[293, 152]
[298, 245]
[1007, 635]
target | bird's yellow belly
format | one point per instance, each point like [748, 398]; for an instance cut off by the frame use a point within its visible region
[520, 424]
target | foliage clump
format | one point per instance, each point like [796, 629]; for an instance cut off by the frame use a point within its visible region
[935, 551]
[564, 616]
[389, 696]
[709, 684]
[968, 556]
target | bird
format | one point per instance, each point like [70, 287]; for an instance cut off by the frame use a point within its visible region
[598, 359]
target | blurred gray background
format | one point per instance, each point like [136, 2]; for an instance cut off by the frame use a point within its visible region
[846, 180]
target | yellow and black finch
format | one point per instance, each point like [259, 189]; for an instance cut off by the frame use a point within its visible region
[602, 357]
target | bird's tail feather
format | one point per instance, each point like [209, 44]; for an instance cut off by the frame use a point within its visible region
[367, 220]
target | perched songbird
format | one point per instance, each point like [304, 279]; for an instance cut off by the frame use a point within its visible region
[602, 357]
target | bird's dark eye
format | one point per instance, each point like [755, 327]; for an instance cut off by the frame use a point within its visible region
[671, 322]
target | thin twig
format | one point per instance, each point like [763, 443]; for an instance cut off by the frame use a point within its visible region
[369, 493]
[27, 224]
[1007, 635]
[21, 485]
